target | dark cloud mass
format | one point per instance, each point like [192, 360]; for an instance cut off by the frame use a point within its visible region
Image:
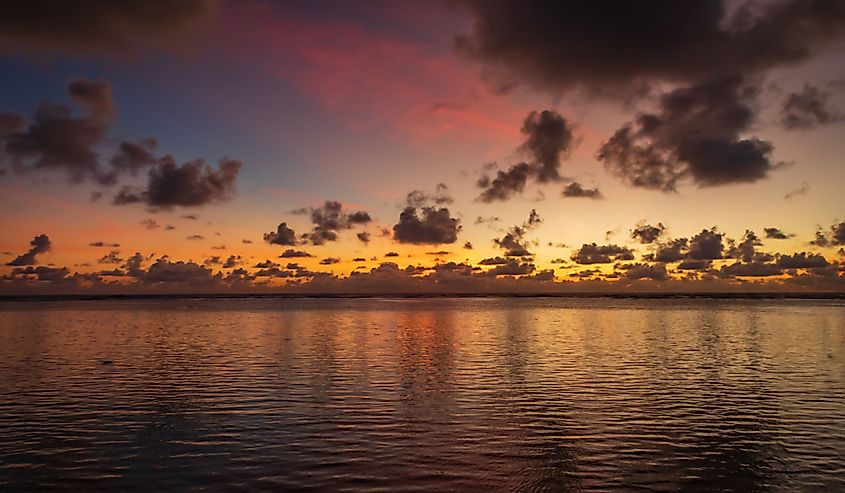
[282, 236]
[548, 140]
[613, 48]
[291, 253]
[776, 234]
[40, 244]
[56, 140]
[430, 226]
[514, 242]
[646, 233]
[191, 184]
[99, 27]
[576, 190]
[601, 254]
[808, 109]
[329, 219]
[694, 136]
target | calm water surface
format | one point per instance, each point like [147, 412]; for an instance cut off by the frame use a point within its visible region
[423, 395]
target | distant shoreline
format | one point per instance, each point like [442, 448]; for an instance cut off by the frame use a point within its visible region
[225, 296]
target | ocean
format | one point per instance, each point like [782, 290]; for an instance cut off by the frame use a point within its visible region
[422, 394]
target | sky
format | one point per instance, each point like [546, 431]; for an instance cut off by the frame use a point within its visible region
[447, 147]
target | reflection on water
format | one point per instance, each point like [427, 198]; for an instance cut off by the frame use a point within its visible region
[423, 394]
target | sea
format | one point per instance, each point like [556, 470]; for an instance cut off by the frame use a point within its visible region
[422, 394]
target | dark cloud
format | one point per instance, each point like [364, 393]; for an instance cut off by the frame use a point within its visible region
[391, 254]
[329, 219]
[749, 269]
[40, 244]
[706, 245]
[802, 190]
[163, 271]
[329, 261]
[133, 157]
[601, 254]
[694, 136]
[282, 236]
[42, 272]
[191, 184]
[266, 264]
[468, 246]
[419, 198]
[689, 264]
[113, 257]
[364, 237]
[672, 251]
[548, 140]
[431, 226]
[494, 261]
[56, 140]
[195, 237]
[291, 253]
[512, 267]
[646, 233]
[233, 261]
[576, 190]
[808, 109]
[612, 48]
[100, 27]
[514, 242]
[835, 236]
[246, 242]
[104, 244]
[656, 271]
[505, 184]
[776, 234]
[802, 260]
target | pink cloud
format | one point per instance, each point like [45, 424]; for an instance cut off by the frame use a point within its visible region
[374, 80]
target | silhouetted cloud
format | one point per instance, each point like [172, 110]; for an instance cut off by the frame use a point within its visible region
[282, 236]
[776, 234]
[835, 236]
[614, 49]
[576, 190]
[329, 261]
[706, 245]
[99, 27]
[802, 260]
[364, 237]
[191, 184]
[512, 267]
[195, 237]
[391, 254]
[591, 253]
[802, 190]
[104, 244]
[655, 271]
[291, 253]
[113, 257]
[56, 140]
[514, 242]
[808, 109]
[164, 271]
[548, 140]
[646, 233]
[40, 244]
[494, 261]
[329, 219]
[431, 226]
[420, 198]
[695, 136]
